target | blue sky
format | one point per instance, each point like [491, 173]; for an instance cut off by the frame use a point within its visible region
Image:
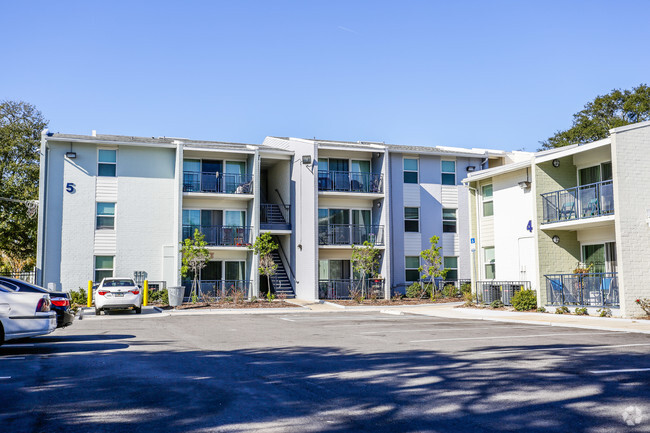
[492, 74]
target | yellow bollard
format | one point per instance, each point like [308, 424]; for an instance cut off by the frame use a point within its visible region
[90, 293]
[145, 294]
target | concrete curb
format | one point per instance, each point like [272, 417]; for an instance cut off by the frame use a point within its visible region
[231, 311]
[388, 307]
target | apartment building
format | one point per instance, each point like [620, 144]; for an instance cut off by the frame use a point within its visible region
[120, 206]
[572, 223]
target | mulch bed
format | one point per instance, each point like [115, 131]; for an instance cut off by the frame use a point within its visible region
[225, 305]
[406, 301]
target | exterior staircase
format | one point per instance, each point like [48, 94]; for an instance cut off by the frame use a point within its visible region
[280, 281]
[272, 218]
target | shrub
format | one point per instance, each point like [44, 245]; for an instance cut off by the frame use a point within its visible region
[159, 296]
[541, 310]
[644, 303]
[465, 288]
[254, 299]
[468, 298]
[79, 297]
[496, 304]
[562, 310]
[397, 296]
[524, 300]
[417, 290]
[604, 312]
[582, 311]
[449, 291]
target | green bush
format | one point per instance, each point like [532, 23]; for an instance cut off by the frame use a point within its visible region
[582, 311]
[562, 310]
[465, 288]
[449, 291]
[79, 297]
[417, 290]
[524, 300]
[541, 310]
[159, 296]
[496, 304]
[605, 312]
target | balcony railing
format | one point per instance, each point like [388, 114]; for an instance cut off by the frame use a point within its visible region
[586, 201]
[594, 290]
[348, 181]
[211, 290]
[348, 289]
[503, 291]
[221, 236]
[350, 234]
[222, 183]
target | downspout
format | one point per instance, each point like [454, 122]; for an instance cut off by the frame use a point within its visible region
[42, 209]
[474, 257]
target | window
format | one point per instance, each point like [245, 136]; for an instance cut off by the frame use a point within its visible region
[412, 263]
[490, 270]
[411, 219]
[449, 220]
[107, 160]
[103, 267]
[410, 170]
[488, 207]
[451, 264]
[105, 216]
[449, 172]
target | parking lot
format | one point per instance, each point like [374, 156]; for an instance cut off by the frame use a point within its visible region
[323, 372]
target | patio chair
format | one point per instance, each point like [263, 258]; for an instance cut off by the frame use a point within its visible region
[556, 291]
[609, 291]
[568, 210]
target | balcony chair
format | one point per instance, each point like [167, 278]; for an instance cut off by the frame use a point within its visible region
[609, 291]
[244, 188]
[557, 291]
[568, 210]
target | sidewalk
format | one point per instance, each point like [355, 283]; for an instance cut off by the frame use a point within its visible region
[585, 322]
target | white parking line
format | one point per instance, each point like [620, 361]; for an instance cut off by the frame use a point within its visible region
[501, 337]
[288, 320]
[433, 329]
[627, 370]
[563, 349]
[11, 358]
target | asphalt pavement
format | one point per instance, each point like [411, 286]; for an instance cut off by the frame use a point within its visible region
[323, 372]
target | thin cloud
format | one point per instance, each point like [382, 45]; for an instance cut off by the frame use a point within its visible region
[345, 29]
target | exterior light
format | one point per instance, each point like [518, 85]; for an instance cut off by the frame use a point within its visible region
[306, 159]
[471, 168]
[71, 155]
[556, 163]
[556, 239]
[524, 184]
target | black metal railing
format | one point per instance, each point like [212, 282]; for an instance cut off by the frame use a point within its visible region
[215, 290]
[350, 234]
[272, 217]
[594, 290]
[586, 201]
[284, 208]
[223, 183]
[350, 289]
[348, 181]
[459, 286]
[503, 291]
[221, 236]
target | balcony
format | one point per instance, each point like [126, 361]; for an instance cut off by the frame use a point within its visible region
[346, 181]
[593, 290]
[350, 234]
[581, 202]
[217, 183]
[221, 236]
[275, 217]
[350, 289]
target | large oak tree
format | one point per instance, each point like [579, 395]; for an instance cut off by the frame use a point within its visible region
[617, 108]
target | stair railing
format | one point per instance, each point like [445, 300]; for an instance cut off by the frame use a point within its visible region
[285, 209]
[287, 265]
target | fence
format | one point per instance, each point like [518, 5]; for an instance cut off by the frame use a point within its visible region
[594, 290]
[217, 290]
[27, 276]
[584, 201]
[503, 291]
[348, 289]
[348, 181]
[350, 234]
[222, 183]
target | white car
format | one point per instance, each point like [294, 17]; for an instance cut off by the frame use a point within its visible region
[24, 314]
[118, 294]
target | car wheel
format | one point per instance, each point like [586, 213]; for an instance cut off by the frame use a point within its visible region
[138, 310]
[98, 311]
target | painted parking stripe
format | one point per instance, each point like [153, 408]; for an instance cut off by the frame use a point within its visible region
[501, 337]
[626, 370]
[563, 348]
[460, 328]
[11, 358]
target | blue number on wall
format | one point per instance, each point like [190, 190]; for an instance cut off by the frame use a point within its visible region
[529, 227]
[70, 187]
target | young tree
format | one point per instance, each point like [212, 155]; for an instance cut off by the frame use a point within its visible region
[20, 140]
[431, 267]
[365, 261]
[263, 247]
[617, 108]
[195, 258]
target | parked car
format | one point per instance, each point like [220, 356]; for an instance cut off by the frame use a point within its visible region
[118, 294]
[60, 300]
[24, 314]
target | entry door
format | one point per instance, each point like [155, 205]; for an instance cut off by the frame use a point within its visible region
[212, 271]
[594, 254]
[340, 228]
[361, 218]
[235, 271]
[339, 173]
[211, 171]
[235, 172]
[339, 269]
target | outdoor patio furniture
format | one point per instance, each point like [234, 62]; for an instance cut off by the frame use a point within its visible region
[568, 210]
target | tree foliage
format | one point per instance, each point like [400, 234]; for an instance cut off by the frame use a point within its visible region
[263, 247]
[20, 138]
[617, 108]
[195, 256]
[365, 261]
[431, 267]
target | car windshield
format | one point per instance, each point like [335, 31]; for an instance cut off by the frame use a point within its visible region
[118, 283]
[21, 286]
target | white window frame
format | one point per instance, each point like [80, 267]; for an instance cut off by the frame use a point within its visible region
[107, 163]
[485, 199]
[95, 269]
[448, 172]
[485, 263]
[416, 171]
[97, 216]
[411, 269]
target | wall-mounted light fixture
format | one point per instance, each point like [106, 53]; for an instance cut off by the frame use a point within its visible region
[524, 184]
[556, 163]
[71, 155]
[556, 239]
[306, 159]
[378, 204]
[471, 168]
